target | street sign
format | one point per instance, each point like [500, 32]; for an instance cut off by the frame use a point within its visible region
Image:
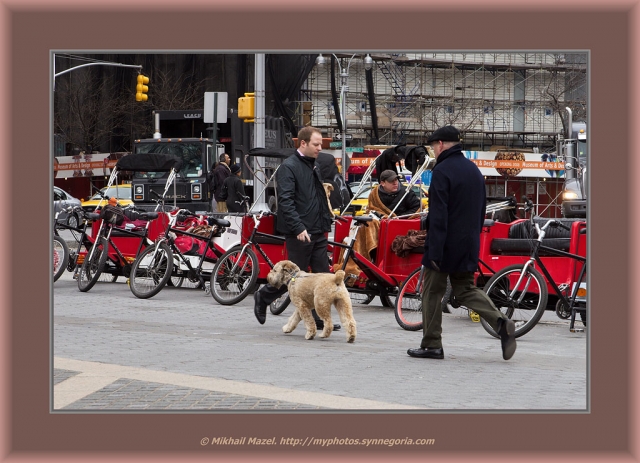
[335, 144]
[215, 108]
[345, 136]
[354, 149]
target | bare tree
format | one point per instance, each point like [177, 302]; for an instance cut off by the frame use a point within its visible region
[567, 89]
[89, 106]
[85, 109]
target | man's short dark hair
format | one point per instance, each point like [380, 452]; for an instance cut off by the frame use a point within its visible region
[306, 132]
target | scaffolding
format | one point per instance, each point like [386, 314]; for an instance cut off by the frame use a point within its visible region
[513, 100]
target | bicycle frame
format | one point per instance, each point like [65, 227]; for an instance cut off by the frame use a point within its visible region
[569, 301]
[185, 259]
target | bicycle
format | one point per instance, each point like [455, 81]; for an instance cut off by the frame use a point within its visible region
[236, 271]
[511, 291]
[104, 249]
[71, 258]
[60, 257]
[155, 266]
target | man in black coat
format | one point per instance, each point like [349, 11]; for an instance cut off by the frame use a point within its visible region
[389, 159]
[221, 172]
[341, 194]
[303, 217]
[457, 204]
[235, 190]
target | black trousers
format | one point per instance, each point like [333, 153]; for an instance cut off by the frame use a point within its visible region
[305, 255]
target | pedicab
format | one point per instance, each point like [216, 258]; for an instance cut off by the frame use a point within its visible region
[563, 254]
[122, 233]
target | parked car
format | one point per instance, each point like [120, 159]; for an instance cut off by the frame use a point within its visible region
[62, 200]
[359, 203]
[121, 192]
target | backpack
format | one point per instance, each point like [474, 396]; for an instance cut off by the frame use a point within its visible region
[224, 192]
[212, 181]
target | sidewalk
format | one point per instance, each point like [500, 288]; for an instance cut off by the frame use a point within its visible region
[180, 350]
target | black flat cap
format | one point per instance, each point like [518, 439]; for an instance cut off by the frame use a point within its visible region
[446, 133]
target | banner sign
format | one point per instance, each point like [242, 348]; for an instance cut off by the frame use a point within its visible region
[84, 165]
[510, 164]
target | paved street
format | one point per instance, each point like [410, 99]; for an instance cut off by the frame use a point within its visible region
[181, 351]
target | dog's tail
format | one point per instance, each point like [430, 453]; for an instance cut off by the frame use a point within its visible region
[339, 277]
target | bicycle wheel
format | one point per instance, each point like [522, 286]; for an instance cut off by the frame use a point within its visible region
[60, 257]
[93, 264]
[234, 275]
[151, 271]
[408, 307]
[527, 305]
[279, 305]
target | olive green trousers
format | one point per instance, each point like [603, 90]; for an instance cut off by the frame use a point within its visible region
[434, 285]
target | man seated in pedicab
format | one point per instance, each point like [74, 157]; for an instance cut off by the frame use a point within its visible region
[382, 200]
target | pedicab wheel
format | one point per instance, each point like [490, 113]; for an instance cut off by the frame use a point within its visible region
[279, 305]
[92, 266]
[408, 307]
[562, 310]
[151, 271]
[234, 275]
[60, 257]
[527, 305]
[176, 282]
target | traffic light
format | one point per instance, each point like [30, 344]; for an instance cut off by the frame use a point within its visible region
[142, 88]
[247, 107]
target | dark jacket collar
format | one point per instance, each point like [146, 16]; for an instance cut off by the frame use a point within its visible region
[307, 160]
[456, 149]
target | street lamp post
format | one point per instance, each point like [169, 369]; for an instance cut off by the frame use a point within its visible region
[344, 87]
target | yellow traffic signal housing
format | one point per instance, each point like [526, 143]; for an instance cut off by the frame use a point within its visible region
[247, 107]
[142, 88]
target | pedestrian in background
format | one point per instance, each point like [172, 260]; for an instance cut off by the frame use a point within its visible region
[303, 217]
[235, 190]
[457, 206]
[221, 173]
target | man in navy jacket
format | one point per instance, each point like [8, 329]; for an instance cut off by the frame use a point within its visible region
[457, 206]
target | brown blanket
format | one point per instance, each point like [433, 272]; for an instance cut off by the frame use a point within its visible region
[403, 244]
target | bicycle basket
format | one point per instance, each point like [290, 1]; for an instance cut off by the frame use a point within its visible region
[112, 214]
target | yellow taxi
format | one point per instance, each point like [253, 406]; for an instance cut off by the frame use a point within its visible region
[359, 204]
[121, 192]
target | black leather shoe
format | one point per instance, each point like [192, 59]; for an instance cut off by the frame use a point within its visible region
[320, 325]
[428, 353]
[259, 308]
[507, 332]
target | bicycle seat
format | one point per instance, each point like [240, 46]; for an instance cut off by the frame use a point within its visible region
[362, 219]
[218, 222]
[92, 215]
[147, 215]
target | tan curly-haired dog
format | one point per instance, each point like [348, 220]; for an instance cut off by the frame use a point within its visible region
[314, 290]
